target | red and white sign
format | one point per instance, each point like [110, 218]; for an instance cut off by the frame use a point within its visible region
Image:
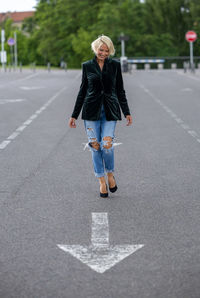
[191, 36]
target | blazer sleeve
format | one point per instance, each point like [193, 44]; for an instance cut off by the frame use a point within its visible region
[121, 92]
[81, 94]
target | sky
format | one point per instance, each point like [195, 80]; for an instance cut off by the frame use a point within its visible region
[17, 5]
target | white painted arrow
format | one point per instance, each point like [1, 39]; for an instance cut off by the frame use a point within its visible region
[100, 256]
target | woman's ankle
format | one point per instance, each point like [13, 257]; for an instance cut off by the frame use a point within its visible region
[102, 180]
[110, 175]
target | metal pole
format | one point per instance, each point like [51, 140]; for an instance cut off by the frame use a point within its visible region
[13, 58]
[2, 46]
[20, 66]
[191, 53]
[49, 66]
[123, 48]
[15, 37]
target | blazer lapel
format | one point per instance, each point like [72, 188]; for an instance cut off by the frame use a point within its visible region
[97, 65]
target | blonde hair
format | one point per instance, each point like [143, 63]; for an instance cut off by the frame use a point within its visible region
[103, 39]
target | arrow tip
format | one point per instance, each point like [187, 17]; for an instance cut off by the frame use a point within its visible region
[100, 260]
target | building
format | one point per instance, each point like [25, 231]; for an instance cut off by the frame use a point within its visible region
[17, 17]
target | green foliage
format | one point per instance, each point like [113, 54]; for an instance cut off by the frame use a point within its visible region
[64, 29]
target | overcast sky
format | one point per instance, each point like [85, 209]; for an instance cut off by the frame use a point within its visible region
[17, 5]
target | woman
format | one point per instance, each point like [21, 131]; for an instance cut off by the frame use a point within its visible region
[100, 97]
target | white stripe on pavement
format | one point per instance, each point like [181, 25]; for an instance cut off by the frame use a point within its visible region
[4, 101]
[100, 230]
[182, 124]
[32, 88]
[4, 144]
[18, 131]
[19, 80]
[192, 77]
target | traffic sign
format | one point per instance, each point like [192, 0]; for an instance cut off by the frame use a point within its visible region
[123, 37]
[11, 41]
[191, 36]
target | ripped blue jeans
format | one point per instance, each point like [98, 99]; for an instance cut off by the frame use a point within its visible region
[100, 136]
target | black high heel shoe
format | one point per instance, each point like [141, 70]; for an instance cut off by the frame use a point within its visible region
[113, 189]
[104, 195]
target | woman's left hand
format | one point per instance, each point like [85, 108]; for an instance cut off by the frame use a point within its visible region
[129, 120]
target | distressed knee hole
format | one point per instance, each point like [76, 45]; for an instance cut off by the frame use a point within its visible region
[94, 144]
[107, 142]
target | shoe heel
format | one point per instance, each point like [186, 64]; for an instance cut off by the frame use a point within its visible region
[113, 189]
[104, 195]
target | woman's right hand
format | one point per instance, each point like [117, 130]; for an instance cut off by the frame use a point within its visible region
[72, 123]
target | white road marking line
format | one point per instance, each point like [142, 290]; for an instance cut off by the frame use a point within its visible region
[27, 122]
[13, 135]
[4, 144]
[117, 144]
[193, 133]
[100, 256]
[186, 90]
[17, 132]
[4, 101]
[26, 78]
[87, 146]
[178, 120]
[188, 76]
[100, 230]
[32, 88]
[185, 126]
[19, 80]
[21, 128]
[182, 124]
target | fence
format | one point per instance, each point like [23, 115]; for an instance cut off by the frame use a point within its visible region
[162, 62]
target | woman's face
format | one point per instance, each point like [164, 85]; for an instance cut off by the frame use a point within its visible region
[102, 52]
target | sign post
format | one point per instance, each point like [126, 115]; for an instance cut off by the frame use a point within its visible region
[3, 53]
[11, 43]
[123, 58]
[123, 38]
[15, 47]
[191, 36]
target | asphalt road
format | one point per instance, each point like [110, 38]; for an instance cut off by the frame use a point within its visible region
[48, 192]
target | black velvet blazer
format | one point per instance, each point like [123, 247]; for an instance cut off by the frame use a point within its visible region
[101, 87]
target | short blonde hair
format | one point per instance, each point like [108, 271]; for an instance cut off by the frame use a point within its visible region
[103, 39]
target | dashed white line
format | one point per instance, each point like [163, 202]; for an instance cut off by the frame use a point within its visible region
[4, 101]
[182, 124]
[185, 126]
[178, 120]
[86, 145]
[4, 144]
[13, 135]
[19, 80]
[26, 78]
[193, 133]
[188, 76]
[186, 90]
[32, 88]
[18, 131]
[27, 122]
